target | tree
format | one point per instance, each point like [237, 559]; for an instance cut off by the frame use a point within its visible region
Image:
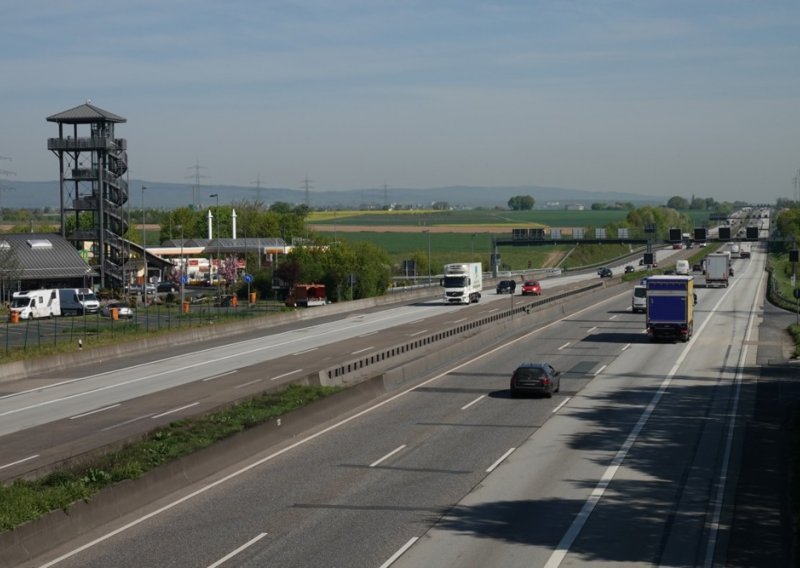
[678, 202]
[599, 206]
[521, 203]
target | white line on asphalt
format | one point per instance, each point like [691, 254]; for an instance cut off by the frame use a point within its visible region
[418, 333]
[305, 351]
[247, 384]
[95, 411]
[131, 421]
[387, 456]
[227, 557]
[625, 347]
[578, 523]
[591, 329]
[600, 370]
[458, 320]
[499, 461]
[220, 375]
[415, 321]
[613, 317]
[362, 350]
[174, 410]
[473, 402]
[399, 553]
[23, 460]
[311, 437]
[492, 310]
[367, 334]
[285, 374]
[567, 344]
[560, 406]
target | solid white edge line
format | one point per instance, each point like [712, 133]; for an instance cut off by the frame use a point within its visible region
[492, 467]
[625, 347]
[600, 370]
[613, 317]
[285, 374]
[566, 542]
[95, 411]
[247, 544]
[174, 410]
[305, 351]
[417, 333]
[402, 550]
[362, 350]
[387, 456]
[234, 474]
[473, 402]
[560, 406]
[23, 460]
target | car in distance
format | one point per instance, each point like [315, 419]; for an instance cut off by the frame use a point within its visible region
[629, 268]
[531, 288]
[697, 267]
[506, 287]
[605, 272]
[123, 310]
[535, 378]
[166, 287]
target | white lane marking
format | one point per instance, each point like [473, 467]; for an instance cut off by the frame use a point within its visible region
[418, 333]
[458, 320]
[591, 329]
[577, 525]
[387, 456]
[131, 421]
[23, 460]
[402, 550]
[174, 410]
[625, 347]
[305, 351]
[220, 375]
[367, 334]
[567, 344]
[247, 384]
[560, 406]
[311, 437]
[285, 374]
[95, 411]
[473, 402]
[613, 317]
[362, 350]
[492, 467]
[492, 310]
[415, 321]
[600, 370]
[246, 545]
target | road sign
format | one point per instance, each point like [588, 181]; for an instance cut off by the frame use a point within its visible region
[248, 278]
[184, 279]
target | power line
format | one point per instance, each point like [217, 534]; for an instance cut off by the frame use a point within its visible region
[307, 185]
[258, 187]
[196, 176]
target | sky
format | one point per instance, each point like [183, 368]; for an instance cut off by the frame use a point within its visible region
[674, 97]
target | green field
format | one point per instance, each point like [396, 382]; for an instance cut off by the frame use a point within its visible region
[480, 217]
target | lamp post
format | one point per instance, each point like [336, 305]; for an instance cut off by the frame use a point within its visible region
[217, 213]
[144, 252]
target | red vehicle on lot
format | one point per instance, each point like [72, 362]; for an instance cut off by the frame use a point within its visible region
[531, 288]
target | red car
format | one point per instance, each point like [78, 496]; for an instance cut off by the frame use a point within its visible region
[531, 288]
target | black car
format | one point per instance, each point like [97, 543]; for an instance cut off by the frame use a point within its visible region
[535, 378]
[166, 287]
[605, 272]
[629, 269]
[506, 287]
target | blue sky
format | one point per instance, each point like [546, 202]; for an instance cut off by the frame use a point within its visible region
[650, 97]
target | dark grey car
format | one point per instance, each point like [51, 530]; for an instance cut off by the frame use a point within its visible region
[535, 378]
[506, 287]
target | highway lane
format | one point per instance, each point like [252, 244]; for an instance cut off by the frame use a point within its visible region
[369, 484]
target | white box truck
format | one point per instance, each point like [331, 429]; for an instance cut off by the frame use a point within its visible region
[717, 269]
[462, 283]
[36, 304]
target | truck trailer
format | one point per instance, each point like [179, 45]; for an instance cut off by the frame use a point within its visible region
[307, 295]
[36, 304]
[717, 269]
[462, 283]
[670, 303]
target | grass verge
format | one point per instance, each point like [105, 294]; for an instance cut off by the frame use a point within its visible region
[24, 500]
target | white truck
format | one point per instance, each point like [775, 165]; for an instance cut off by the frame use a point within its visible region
[462, 283]
[36, 304]
[744, 250]
[717, 269]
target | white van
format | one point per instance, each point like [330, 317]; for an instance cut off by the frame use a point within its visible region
[639, 299]
[682, 267]
[36, 304]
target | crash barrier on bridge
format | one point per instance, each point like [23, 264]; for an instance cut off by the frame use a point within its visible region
[438, 348]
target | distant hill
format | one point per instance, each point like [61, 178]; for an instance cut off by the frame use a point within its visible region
[34, 194]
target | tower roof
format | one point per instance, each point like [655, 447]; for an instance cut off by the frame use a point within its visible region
[86, 113]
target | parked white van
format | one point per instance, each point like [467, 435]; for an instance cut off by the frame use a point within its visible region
[682, 267]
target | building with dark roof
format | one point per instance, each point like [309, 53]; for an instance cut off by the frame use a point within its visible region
[31, 261]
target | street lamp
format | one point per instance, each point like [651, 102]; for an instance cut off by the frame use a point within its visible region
[217, 213]
[144, 252]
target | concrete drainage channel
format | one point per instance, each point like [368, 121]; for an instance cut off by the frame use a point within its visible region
[367, 378]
